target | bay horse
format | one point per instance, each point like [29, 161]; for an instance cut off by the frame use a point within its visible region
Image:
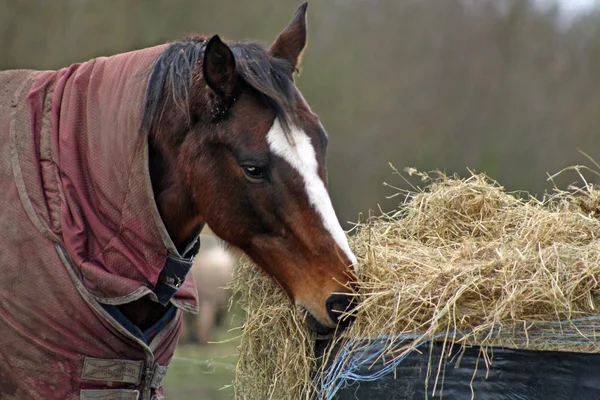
[110, 169]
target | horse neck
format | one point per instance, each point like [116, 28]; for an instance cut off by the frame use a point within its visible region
[173, 199]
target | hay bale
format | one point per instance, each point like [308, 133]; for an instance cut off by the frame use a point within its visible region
[462, 262]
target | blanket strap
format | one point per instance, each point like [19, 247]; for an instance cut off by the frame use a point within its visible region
[119, 371]
[109, 394]
[173, 274]
[158, 375]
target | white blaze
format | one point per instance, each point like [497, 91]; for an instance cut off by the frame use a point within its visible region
[300, 154]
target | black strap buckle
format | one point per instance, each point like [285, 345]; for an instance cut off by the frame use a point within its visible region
[173, 274]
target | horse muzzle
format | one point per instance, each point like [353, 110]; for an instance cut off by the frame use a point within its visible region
[339, 307]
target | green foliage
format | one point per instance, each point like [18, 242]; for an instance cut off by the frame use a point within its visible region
[201, 373]
[206, 372]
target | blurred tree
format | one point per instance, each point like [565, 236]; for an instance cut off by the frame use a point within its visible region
[500, 86]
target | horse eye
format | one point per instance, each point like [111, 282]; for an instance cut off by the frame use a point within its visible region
[254, 173]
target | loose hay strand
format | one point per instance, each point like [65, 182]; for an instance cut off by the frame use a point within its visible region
[460, 261]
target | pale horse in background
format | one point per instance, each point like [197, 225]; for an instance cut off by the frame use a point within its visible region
[212, 269]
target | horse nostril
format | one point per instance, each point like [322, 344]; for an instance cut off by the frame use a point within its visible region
[339, 304]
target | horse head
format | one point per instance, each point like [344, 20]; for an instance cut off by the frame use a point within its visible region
[235, 145]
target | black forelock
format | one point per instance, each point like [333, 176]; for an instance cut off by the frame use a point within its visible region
[174, 70]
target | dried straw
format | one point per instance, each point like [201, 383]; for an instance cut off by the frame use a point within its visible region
[461, 261]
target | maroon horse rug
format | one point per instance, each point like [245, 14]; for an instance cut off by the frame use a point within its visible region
[79, 229]
[109, 169]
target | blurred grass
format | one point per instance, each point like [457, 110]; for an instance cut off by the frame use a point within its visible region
[206, 372]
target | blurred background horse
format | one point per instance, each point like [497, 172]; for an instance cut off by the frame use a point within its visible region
[212, 270]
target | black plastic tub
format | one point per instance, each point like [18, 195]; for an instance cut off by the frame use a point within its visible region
[463, 374]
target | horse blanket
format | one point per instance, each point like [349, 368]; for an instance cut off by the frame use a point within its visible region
[80, 232]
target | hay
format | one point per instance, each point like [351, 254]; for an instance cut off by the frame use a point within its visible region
[461, 261]
[276, 350]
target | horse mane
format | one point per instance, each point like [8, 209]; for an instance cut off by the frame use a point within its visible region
[174, 71]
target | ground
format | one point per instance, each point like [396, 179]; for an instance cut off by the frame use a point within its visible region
[206, 372]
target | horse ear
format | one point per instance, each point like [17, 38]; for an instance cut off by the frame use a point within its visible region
[218, 67]
[290, 43]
